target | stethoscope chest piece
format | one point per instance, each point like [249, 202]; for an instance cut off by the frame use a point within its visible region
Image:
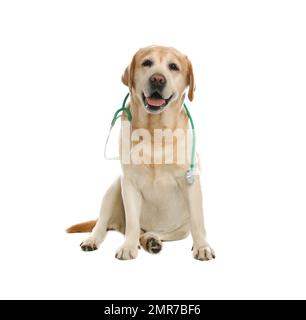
[189, 177]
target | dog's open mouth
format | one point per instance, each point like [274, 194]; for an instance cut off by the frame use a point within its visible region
[155, 103]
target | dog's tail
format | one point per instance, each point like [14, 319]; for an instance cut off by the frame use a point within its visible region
[82, 227]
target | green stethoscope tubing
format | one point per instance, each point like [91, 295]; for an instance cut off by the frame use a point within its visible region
[123, 108]
[129, 115]
[193, 150]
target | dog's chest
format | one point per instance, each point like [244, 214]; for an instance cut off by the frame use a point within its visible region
[164, 205]
[160, 189]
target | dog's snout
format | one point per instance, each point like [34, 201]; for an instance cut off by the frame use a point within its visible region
[157, 81]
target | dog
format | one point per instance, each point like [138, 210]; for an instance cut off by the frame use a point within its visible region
[151, 202]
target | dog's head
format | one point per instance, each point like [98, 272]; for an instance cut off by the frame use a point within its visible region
[158, 77]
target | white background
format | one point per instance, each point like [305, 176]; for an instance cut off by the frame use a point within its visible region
[60, 69]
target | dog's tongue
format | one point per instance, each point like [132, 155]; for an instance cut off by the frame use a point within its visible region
[155, 102]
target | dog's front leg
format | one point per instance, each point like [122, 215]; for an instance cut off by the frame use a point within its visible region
[132, 202]
[201, 249]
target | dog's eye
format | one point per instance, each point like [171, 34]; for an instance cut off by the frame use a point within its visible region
[174, 67]
[147, 63]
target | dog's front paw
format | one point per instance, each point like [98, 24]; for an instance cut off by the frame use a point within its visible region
[89, 244]
[203, 253]
[127, 252]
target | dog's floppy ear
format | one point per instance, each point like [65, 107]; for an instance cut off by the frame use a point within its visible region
[190, 81]
[125, 76]
[128, 75]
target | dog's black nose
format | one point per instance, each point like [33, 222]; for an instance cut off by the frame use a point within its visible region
[157, 81]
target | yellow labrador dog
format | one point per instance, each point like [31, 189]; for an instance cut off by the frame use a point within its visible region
[152, 202]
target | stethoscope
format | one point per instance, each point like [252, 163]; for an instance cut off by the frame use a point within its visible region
[189, 175]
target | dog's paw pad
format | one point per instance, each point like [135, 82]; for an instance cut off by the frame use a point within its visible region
[154, 245]
[204, 253]
[89, 245]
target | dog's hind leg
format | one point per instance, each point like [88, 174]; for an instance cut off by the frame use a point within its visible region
[151, 242]
[111, 217]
